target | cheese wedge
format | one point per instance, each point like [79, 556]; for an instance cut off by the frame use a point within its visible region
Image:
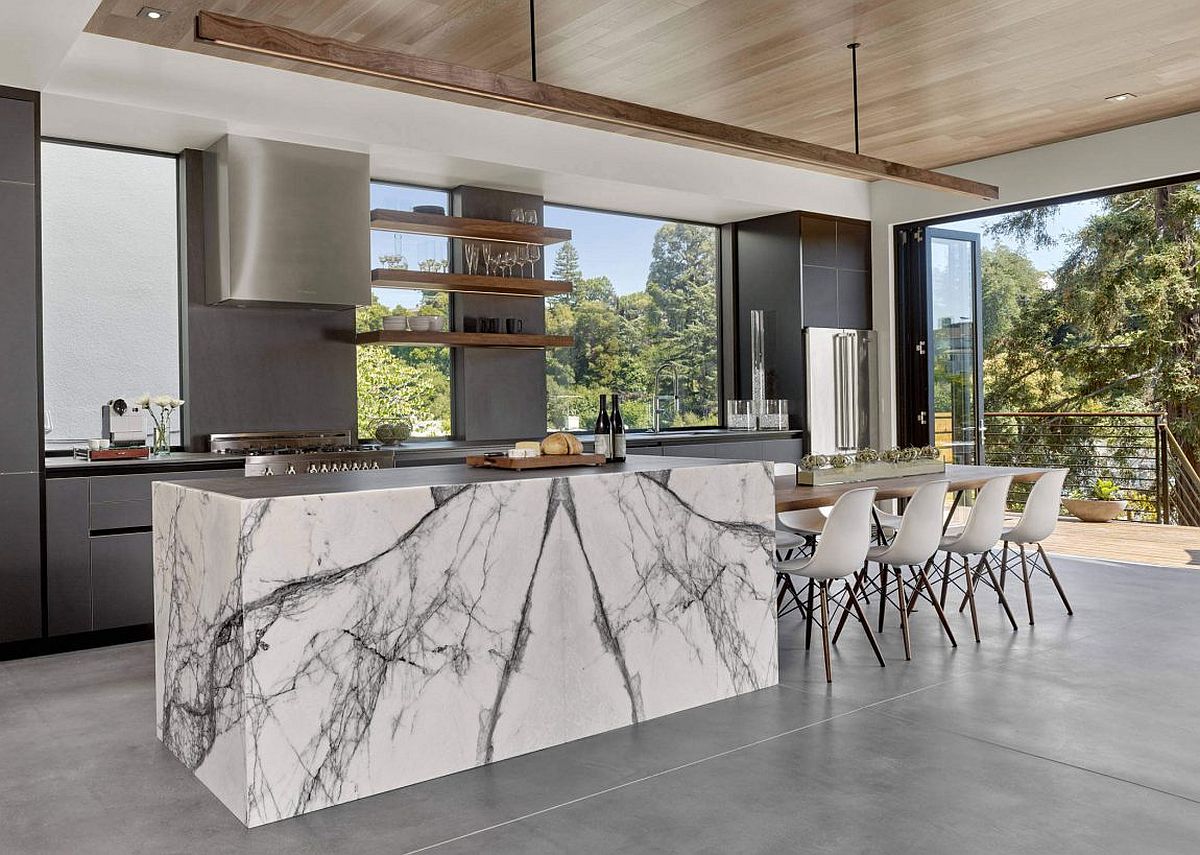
[532, 446]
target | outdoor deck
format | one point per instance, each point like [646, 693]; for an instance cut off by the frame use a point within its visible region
[1139, 543]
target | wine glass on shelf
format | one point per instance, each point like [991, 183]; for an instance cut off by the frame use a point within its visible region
[522, 258]
[535, 255]
[488, 259]
[471, 254]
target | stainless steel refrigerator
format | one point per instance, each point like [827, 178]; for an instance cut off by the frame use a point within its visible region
[840, 372]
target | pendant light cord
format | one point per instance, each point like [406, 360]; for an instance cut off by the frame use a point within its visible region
[854, 46]
[532, 41]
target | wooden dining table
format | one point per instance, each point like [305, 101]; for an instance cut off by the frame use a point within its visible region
[790, 496]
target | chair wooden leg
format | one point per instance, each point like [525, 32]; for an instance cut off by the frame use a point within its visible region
[1028, 586]
[1054, 578]
[903, 614]
[912, 601]
[808, 621]
[825, 631]
[862, 618]
[937, 607]
[1003, 563]
[945, 580]
[859, 579]
[967, 577]
[883, 593]
[779, 580]
[987, 565]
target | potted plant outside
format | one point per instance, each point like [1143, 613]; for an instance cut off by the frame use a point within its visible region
[1103, 503]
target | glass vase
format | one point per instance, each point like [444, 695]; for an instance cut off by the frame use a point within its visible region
[162, 438]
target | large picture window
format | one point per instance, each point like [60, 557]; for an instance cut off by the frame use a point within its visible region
[110, 283]
[645, 294]
[409, 384]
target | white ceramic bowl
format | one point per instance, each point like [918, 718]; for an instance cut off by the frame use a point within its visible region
[419, 323]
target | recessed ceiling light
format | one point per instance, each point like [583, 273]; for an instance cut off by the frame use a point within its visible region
[1124, 96]
[152, 13]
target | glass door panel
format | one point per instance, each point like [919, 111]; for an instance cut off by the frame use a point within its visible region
[953, 278]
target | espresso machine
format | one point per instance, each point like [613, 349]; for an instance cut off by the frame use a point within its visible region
[121, 423]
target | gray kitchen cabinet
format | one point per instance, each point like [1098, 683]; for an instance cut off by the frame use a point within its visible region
[692, 449]
[122, 571]
[742, 449]
[20, 557]
[782, 450]
[68, 573]
[21, 450]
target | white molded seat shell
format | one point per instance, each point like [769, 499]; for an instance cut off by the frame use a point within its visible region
[1040, 516]
[843, 545]
[920, 529]
[804, 522]
[986, 522]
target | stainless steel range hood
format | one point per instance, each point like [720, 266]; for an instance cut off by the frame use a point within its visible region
[286, 223]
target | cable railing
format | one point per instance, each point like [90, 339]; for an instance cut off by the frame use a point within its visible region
[1128, 448]
[1183, 484]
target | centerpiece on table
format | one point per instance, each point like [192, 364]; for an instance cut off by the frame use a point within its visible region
[161, 408]
[868, 464]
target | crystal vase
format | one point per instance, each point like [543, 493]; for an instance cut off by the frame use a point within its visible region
[162, 437]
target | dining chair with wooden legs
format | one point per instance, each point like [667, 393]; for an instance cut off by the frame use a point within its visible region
[839, 554]
[918, 534]
[979, 536]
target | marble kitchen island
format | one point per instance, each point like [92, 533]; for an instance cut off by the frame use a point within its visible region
[322, 638]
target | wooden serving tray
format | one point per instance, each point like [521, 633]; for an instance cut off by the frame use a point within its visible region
[546, 461]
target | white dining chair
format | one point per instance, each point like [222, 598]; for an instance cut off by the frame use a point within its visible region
[839, 554]
[918, 536]
[1037, 523]
[795, 533]
[979, 536]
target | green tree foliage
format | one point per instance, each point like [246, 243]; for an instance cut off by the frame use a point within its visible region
[1010, 283]
[1121, 326]
[621, 339]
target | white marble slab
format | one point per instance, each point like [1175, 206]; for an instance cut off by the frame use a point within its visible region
[312, 650]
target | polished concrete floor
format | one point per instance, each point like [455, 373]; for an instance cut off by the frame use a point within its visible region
[1081, 734]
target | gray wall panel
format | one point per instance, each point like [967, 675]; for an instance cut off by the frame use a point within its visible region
[68, 582]
[257, 369]
[20, 557]
[18, 140]
[21, 448]
[498, 394]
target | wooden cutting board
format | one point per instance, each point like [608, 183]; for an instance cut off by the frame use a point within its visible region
[546, 461]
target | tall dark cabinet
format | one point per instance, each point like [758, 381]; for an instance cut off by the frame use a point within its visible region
[20, 378]
[803, 270]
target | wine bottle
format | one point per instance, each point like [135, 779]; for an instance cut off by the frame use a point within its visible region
[618, 431]
[603, 430]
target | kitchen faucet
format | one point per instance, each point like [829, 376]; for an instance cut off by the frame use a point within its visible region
[658, 398]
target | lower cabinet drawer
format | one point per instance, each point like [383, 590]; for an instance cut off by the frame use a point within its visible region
[122, 571]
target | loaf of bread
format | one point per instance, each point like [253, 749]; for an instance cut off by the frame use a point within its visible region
[562, 443]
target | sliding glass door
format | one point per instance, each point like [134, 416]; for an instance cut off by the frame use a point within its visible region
[939, 339]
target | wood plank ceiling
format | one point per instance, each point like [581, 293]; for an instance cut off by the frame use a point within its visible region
[940, 83]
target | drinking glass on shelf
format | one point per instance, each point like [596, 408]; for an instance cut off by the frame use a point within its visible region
[488, 259]
[522, 258]
[517, 215]
[471, 254]
[535, 255]
[531, 218]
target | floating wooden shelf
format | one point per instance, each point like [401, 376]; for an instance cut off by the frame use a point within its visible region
[500, 231]
[409, 338]
[463, 284]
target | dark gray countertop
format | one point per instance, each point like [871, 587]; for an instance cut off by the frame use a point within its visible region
[417, 451]
[449, 475]
[64, 466]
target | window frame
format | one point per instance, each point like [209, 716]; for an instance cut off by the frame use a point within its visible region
[719, 296]
[180, 255]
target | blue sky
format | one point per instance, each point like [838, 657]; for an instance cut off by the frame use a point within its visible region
[1070, 218]
[612, 245]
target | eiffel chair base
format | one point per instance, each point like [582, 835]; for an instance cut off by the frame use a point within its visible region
[1032, 562]
[965, 579]
[822, 620]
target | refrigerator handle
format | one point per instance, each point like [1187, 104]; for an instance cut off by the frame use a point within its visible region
[842, 370]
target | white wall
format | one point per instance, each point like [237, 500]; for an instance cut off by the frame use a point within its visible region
[1147, 152]
[110, 283]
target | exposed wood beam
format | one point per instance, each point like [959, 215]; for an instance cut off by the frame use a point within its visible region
[503, 92]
